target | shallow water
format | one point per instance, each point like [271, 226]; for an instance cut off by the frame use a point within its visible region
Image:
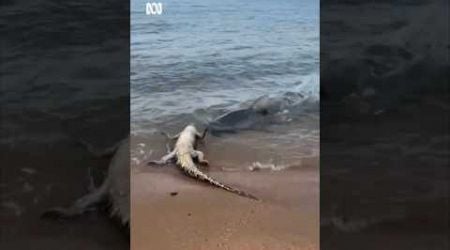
[209, 57]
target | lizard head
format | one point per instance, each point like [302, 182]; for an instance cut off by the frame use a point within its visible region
[191, 128]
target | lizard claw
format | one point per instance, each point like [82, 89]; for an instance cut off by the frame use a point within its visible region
[61, 213]
[153, 163]
[204, 163]
[156, 163]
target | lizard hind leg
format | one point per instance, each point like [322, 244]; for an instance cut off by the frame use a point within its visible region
[200, 157]
[164, 160]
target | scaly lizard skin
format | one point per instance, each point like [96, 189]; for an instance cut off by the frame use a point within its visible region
[185, 151]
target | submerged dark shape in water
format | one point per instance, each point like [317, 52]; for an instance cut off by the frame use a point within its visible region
[240, 119]
[263, 112]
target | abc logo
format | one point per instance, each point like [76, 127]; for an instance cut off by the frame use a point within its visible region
[153, 8]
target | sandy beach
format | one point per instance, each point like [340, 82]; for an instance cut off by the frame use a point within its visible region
[203, 217]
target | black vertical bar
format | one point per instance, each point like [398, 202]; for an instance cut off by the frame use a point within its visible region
[64, 82]
[384, 124]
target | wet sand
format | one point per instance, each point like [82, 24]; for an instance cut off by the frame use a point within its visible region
[203, 217]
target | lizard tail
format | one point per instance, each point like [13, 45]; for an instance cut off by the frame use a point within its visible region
[194, 172]
[230, 189]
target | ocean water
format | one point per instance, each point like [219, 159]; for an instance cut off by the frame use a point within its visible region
[209, 57]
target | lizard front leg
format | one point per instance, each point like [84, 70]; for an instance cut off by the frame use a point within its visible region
[200, 157]
[169, 137]
[201, 136]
